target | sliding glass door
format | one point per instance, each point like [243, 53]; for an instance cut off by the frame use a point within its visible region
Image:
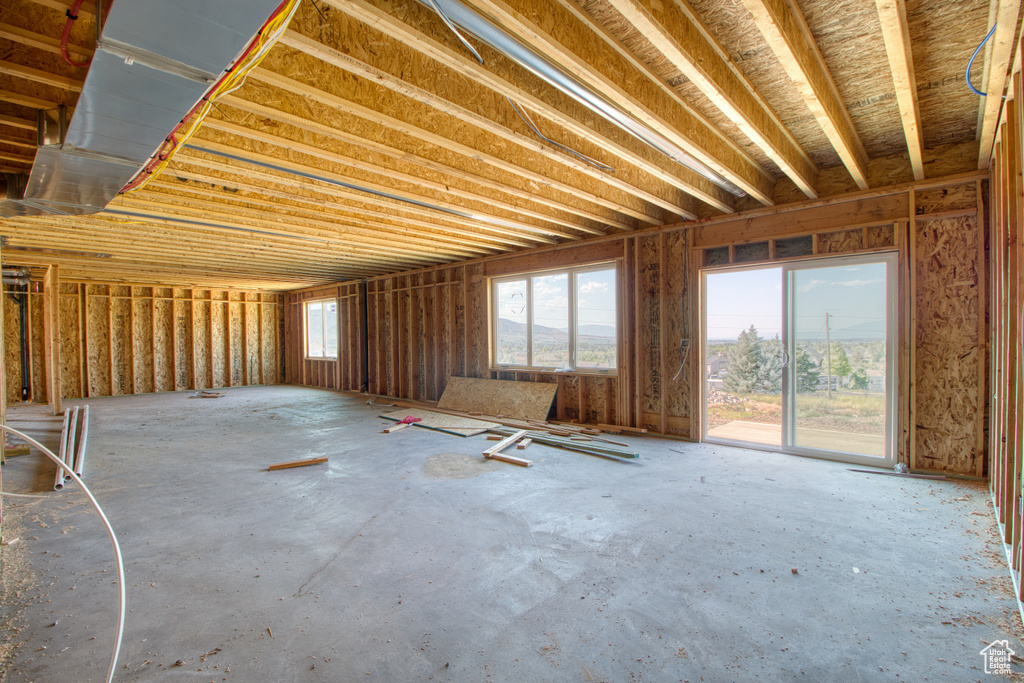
[832, 362]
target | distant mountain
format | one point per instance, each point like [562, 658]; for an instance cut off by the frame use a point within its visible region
[597, 330]
[544, 333]
[540, 332]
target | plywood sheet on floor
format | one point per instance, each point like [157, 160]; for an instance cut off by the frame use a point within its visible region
[463, 426]
[523, 400]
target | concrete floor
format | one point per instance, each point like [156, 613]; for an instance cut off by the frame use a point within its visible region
[410, 558]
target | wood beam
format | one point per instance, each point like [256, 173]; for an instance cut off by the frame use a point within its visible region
[408, 88]
[785, 29]
[389, 210]
[26, 101]
[892, 14]
[15, 122]
[568, 38]
[51, 336]
[507, 226]
[421, 161]
[39, 76]
[673, 28]
[332, 232]
[1002, 47]
[39, 41]
[493, 75]
[402, 231]
[370, 232]
[416, 181]
[417, 132]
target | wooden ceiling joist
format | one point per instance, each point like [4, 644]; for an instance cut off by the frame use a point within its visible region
[40, 76]
[344, 225]
[370, 241]
[15, 122]
[785, 29]
[999, 51]
[39, 41]
[684, 43]
[26, 100]
[115, 239]
[422, 162]
[388, 208]
[601, 134]
[409, 87]
[895, 32]
[343, 160]
[567, 39]
[513, 167]
[448, 210]
[382, 222]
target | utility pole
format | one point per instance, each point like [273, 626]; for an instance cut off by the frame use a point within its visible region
[828, 355]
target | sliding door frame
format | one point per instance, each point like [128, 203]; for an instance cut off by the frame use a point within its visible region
[890, 258]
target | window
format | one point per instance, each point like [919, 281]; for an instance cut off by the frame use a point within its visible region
[564, 320]
[322, 329]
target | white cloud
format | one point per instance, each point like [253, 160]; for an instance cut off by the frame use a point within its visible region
[594, 286]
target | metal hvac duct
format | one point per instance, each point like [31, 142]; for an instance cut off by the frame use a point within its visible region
[504, 43]
[154, 60]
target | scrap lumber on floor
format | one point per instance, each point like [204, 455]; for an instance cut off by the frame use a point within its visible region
[297, 463]
[443, 422]
[568, 444]
[504, 443]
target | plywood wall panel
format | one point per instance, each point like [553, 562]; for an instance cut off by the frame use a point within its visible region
[121, 345]
[70, 340]
[236, 342]
[142, 340]
[12, 348]
[163, 343]
[98, 336]
[946, 370]
[201, 341]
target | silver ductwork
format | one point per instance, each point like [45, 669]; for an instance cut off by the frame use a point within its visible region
[154, 60]
[501, 41]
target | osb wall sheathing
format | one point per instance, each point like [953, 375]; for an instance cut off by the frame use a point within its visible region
[949, 360]
[120, 339]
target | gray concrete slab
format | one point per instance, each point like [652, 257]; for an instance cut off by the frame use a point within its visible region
[409, 558]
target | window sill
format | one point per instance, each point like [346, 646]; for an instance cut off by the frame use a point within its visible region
[321, 358]
[548, 371]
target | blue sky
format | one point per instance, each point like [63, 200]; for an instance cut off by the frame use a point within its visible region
[854, 295]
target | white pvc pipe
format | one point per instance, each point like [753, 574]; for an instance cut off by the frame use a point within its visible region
[58, 480]
[80, 456]
[69, 451]
[118, 561]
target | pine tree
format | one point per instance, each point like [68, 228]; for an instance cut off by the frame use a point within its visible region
[770, 373]
[745, 360]
[807, 373]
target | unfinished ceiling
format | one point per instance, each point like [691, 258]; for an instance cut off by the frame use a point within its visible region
[371, 140]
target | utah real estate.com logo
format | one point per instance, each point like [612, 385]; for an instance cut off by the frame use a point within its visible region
[997, 658]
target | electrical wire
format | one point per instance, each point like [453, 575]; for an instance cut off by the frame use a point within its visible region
[516, 107]
[970, 63]
[684, 343]
[72, 15]
[233, 78]
[118, 560]
[525, 116]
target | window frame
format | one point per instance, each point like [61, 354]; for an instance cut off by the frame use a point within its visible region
[573, 273]
[305, 329]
